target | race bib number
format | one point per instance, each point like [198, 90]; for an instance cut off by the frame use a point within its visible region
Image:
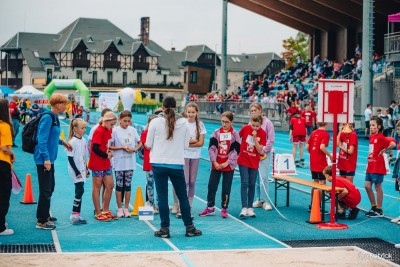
[371, 149]
[344, 145]
[225, 136]
[250, 140]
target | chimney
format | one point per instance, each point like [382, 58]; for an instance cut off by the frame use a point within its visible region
[173, 48]
[145, 30]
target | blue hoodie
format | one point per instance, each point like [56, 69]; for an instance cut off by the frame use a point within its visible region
[48, 139]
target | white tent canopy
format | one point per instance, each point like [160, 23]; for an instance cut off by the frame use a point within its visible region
[29, 89]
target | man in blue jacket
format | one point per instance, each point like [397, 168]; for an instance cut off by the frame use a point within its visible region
[45, 155]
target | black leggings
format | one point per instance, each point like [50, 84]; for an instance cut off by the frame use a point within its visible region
[5, 192]
[79, 190]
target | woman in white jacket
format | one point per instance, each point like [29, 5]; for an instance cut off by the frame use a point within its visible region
[167, 137]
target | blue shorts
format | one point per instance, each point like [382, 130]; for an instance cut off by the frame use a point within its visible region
[102, 173]
[345, 173]
[374, 178]
[309, 130]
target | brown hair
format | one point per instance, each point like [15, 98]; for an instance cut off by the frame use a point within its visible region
[321, 124]
[228, 114]
[169, 105]
[194, 105]
[125, 113]
[74, 123]
[256, 118]
[58, 98]
[5, 114]
[328, 170]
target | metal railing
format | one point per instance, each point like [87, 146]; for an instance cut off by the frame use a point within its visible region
[241, 110]
[392, 43]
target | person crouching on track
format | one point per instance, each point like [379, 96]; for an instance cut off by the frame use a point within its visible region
[348, 198]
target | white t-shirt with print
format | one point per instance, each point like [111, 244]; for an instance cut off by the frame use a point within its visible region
[367, 114]
[122, 160]
[194, 152]
[79, 153]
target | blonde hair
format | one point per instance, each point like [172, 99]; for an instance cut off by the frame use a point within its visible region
[74, 123]
[257, 106]
[109, 116]
[58, 98]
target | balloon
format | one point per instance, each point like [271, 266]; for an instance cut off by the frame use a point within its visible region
[128, 97]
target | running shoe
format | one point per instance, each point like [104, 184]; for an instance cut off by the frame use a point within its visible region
[178, 215]
[45, 226]
[395, 220]
[243, 213]
[224, 213]
[127, 214]
[207, 211]
[110, 215]
[192, 231]
[377, 214]
[251, 213]
[163, 232]
[266, 206]
[353, 214]
[370, 212]
[11, 231]
[52, 219]
[257, 204]
[120, 213]
[102, 217]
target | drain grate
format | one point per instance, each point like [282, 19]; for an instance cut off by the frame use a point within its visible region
[376, 246]
[30, 248]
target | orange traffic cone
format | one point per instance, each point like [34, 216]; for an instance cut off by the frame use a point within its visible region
[315, 216]
[138, 202]
[28, 194]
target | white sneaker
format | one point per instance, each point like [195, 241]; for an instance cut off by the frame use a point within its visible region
[266, 206]
[243, 213]
[126, 212]
[147, 204]
[120, 213]
[396, 220]
[175, 208]
[250, 212]
[7, 232]
[257, 204]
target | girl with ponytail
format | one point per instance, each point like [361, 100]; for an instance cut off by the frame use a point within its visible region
[167, 138]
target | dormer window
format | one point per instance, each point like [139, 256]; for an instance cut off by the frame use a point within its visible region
[119, 41]
[89, 39]
[36, 54]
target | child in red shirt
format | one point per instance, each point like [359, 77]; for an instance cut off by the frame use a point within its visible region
[348, 198]
[100, 164]
[254, 138]
[311, 118]
[376, 168]
[297, 135]
[316, 146]
[348, 144]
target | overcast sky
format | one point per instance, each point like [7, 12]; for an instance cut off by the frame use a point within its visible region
[173, 23]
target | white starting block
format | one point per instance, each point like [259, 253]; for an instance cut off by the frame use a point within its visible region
[146, 213]
[284, 164]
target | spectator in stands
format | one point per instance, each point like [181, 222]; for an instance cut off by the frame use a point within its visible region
[303, 94]
[316, 60]
[357, 50]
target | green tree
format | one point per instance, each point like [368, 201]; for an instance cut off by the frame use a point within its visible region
[294, 47]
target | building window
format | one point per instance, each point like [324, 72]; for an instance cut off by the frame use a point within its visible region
[185, 77]
[79, 74]
[124, 78]
[109, 77]
[152, 95]
[208, 56]
[193, 76]
[161, 97]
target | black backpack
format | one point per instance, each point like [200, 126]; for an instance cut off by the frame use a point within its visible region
[29, 133]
